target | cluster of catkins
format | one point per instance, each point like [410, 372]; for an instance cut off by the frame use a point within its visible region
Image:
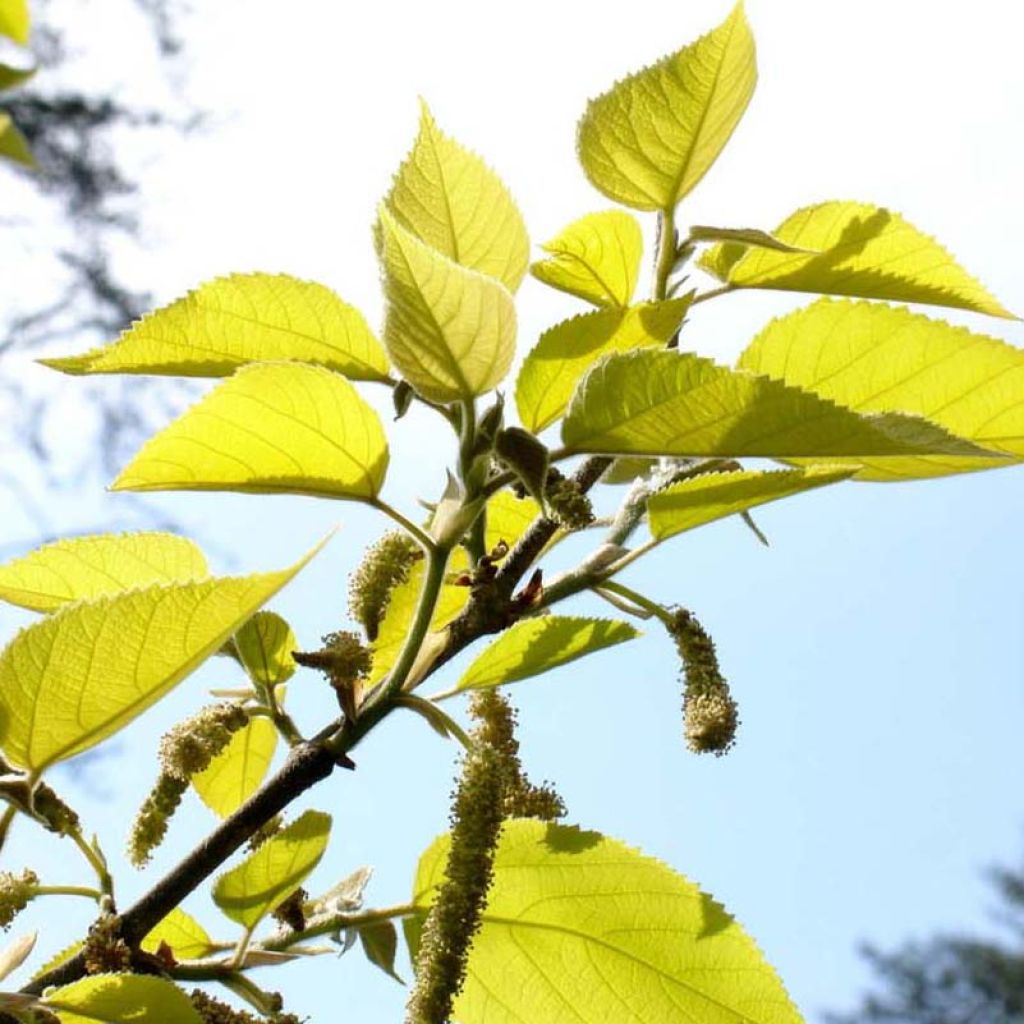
[185, 750]
[492, 787]
[710, 715]
[15, 893]
[213, 1011]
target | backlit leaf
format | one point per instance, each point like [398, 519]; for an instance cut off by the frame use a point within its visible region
[566, 351]
[447, 197]
[647, 141]
[90, 567]
[121, 999]
[237, 771]
[10, 77]
[450, 330]
[861, 250]
[581, 929]
[596, 258]
[666, 403]
[244, 318]
[754, 237]
[269, 876]
[626, 470]
[13, 144]
[533, 646]
[265, 645]
[507, 518]
[77, 677]
[14, 20]
[876, 358]
[186, 937]
[271, 428]
[703, 499]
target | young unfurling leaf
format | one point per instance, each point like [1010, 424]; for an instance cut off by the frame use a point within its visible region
[649, 139]
[449, 330]
[858, 250]
[244, 318]
[596, 258]
[447, 197]
[272, 428]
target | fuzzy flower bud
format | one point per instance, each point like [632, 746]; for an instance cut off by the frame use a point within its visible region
[15, 893]
[710, 714]
[188, 748]
[386, 564]
[105, 952]
[567, 503]
[150, 825]
[213, 1011]
[346, 662]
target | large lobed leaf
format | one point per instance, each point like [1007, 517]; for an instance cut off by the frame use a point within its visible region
[450, 330]
[703, 499]
[447, 197]
[665, 403]
[248, 892]
[861, 250]
[239, 769]
[651, 138]
[596, 258]
[581, 929]
[876, 358]
[566, 351]
[90, 567]
[121, 999]
[243, 318]
[271, 428]
[77, 677]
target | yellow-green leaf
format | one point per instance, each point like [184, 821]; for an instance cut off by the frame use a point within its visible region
[447, 197]
[596, 258]
[271, 428]
[238, 770]
[533, 646]
[703, 499]
[566, 351]
[647, 141]
[394, 627]
[581, 929]
[860, 250]
[450, 330]
[58, 958]
[269, 876]
[13, 144]
[182, 933]
[876, 358]
[626, 470]
[244, 318]
[667, 403]
[10, 77]
[121, 999]
[77, 677]
[14, 20]
[89, 567]
[265, 645]
[508, 518]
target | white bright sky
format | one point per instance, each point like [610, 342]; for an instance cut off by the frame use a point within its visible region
[876, 648]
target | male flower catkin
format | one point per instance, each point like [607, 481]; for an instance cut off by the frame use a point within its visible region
[567, 503]
[185, 750]
[386, 564]
[15, 893]
[710, 714]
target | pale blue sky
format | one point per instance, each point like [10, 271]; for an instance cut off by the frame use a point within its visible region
[875, 649]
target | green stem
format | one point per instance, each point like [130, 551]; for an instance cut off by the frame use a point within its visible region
[283, 722]
[639, 600]
[666, 257]
[67, 890]
[713, 294]
[333, 924]
[5, 823]
[96, 862]
[389, 510]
